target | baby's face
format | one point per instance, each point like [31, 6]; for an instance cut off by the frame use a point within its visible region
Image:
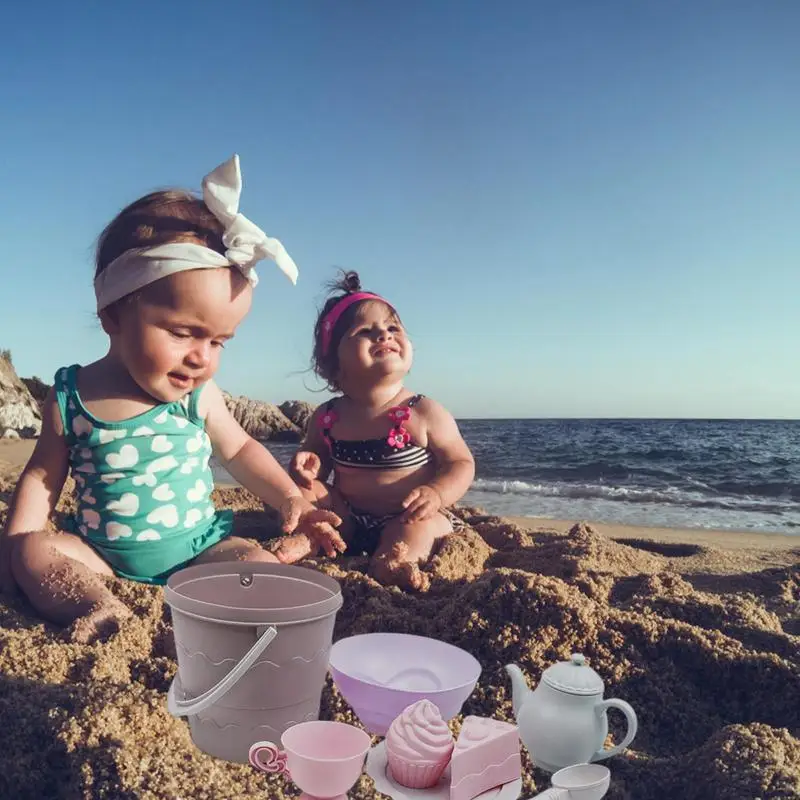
[171, 337]
[376, 346]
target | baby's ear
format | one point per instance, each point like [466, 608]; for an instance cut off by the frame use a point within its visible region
[109, 319]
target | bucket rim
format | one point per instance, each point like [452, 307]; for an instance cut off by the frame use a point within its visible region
[179, 601]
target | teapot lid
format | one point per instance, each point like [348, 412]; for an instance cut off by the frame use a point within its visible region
[573, 677]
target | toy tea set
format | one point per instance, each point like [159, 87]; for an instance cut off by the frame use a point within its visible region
[254, 646]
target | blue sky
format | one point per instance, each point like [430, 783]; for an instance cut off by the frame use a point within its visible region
[579, 209]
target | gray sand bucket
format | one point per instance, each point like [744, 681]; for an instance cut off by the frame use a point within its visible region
[253, 643]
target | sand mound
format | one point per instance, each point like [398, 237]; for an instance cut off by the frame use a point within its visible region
[700, 646]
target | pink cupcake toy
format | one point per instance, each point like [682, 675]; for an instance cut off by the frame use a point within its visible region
[418, 746]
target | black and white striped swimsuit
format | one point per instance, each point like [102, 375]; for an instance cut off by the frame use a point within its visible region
[396, 451]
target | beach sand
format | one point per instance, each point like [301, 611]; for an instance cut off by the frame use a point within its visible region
[699, 631]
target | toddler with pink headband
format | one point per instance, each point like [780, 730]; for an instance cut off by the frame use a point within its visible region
[397, 459]
[174, 279]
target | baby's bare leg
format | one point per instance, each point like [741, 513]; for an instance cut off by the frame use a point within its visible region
[61, 577]
[295, 547]
[403, 547]
[233, 548]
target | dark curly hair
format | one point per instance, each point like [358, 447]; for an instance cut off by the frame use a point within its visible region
[326, 365]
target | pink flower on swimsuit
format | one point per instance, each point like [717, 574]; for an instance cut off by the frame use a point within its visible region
[399, 415]
[327, 419]
[398, 438]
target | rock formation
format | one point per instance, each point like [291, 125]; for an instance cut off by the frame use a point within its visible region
[19, 412]
[262, 420]
[298, 411]
[38, 389]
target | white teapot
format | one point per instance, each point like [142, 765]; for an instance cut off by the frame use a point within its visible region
[563, 721]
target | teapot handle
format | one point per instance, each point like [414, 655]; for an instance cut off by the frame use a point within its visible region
[630, 716]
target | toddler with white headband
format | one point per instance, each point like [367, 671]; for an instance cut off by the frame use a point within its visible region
[397, 458]
[174, 279]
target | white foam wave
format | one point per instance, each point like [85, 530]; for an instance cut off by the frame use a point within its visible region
[669, 495]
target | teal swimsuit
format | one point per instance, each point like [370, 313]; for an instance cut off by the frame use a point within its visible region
[143, 485]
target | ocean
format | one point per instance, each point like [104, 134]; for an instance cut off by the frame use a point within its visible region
[726, 474]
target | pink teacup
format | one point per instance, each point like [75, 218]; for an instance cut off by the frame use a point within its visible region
[324, 759]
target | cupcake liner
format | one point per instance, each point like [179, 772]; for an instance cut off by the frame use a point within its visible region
[416, 775]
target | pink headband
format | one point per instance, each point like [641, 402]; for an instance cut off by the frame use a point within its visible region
[332, 317]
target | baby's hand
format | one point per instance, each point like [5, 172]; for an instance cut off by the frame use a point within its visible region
[305, 468]
[421, 504]
[318, 524]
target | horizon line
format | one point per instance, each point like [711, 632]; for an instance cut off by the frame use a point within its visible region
[630, 419]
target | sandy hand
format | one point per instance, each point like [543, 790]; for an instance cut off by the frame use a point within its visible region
[305, 468]
[317, 524]
[294, 548]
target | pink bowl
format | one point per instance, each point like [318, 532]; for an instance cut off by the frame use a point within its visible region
[380, 674]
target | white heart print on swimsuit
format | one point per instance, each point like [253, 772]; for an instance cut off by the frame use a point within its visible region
[163, 493]
[160, 444]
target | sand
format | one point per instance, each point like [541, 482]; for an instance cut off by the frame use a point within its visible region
[15, 453]
[700, 635]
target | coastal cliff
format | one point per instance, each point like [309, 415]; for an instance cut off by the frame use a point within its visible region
[20, 417]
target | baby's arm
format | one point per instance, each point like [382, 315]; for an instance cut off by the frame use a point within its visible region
[40, 484]
[313, 460]
[250, 463]
[246, 460]
[455, 464]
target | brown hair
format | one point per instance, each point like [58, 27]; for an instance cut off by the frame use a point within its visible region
[170, 215]
[326, 365]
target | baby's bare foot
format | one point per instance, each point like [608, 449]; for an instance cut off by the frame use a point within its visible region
[394, 569]
[293, 548]
[100, 624]
[410, 576]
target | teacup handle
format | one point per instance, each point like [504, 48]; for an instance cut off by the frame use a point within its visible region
[630, 716]
[268, 757]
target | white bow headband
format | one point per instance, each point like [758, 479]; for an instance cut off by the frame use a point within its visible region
[246, 244]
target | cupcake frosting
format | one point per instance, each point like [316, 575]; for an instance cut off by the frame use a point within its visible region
[420, 734]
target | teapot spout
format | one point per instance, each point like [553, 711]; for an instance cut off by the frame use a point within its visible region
[519, 688]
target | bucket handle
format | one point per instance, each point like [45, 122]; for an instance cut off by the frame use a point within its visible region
[187, 708]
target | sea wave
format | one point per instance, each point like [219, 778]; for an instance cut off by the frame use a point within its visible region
[629, 494]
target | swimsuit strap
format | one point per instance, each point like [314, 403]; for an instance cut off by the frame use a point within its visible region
[329, 416]
[65, 386]
[399, 437]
